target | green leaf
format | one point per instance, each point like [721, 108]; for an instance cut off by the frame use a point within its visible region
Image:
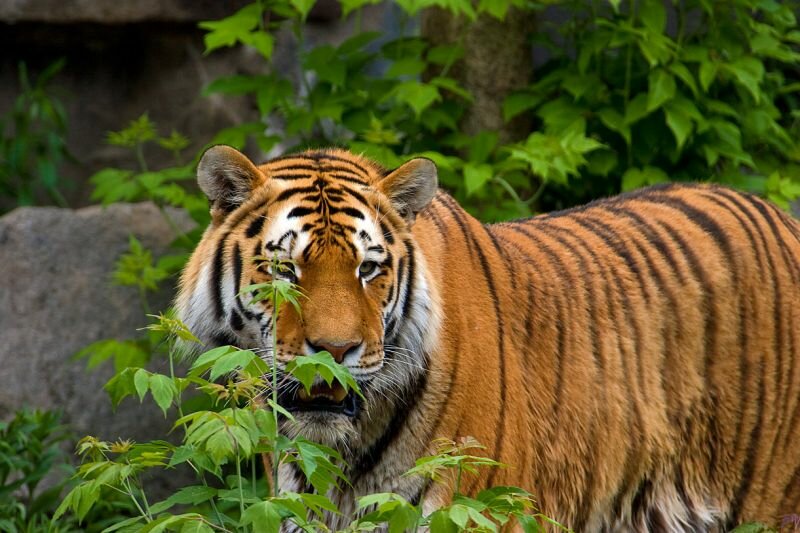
[459, 515]
[517, 103]
[446, 54]
[476, 176]
[496, 8]
[653, 15]
[306, 367]
[351, 5]
[233, 29]
[708, 71]
[749, 72]
[611, 118]
[451, 85]
[635, 178]
[661, 89]
[682, 73]
[407, 66]
[418, 96]
[163, 390]
[141, 380]
[231, 361]
[210, 357]
[679, 123]
[325, 62]
[303, 7]
[121, 386]
[636, 109]
[440, 522]
[238, 84]
[196, 526]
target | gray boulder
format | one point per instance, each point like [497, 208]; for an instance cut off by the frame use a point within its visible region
[56, 297]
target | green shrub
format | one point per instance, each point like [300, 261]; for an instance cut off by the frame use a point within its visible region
[32, 142]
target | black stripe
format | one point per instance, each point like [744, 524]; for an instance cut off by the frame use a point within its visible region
[761, 251]
[255, 226]
[236, 320]
[781, 393]
[612, 239]
[348, 179]
[409, 397]
[350, 211]
[705, 222]
[409, 294]
[652, 237]
[355, 194]
[386, 233]
[469, 238]
[291, 177]
[216, 277]
[300, 212]
[223, 338]
[332, 157]
[288, 193]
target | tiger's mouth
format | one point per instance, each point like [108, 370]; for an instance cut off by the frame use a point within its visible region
[322, 398]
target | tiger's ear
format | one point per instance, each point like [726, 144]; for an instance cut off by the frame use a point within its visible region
[227, 177]
[410, 187]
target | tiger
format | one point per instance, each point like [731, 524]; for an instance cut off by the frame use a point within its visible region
[635, 362]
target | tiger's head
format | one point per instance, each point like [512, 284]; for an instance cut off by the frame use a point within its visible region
[342, 227]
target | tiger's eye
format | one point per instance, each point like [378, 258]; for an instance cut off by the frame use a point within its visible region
[367, 268]
[286, 271]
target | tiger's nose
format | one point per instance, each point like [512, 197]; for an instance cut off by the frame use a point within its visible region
[339, 350]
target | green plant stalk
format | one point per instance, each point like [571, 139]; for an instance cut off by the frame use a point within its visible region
[140, 157]
[129, 492]
[173, 225]
[143, 299]
[275, 461]
[239, 475]
[253, 473]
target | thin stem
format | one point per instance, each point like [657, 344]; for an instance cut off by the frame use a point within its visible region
[140, 157]
[451, 60]
[144, 500]
[275, 459]
[357, 21]
[129, 492]
[174, 226]
[211, 501]
[510, 190]
[143, 298]
[253, 473]
[239, 475]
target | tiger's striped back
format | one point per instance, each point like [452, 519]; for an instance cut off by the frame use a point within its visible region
[652, 341]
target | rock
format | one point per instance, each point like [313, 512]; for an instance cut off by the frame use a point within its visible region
[116, 12]
[56, 297]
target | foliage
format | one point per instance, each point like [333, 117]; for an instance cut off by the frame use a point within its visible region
[712, 99]
[33, 475]
[32, 141]
[29, 450]
[624, 100]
